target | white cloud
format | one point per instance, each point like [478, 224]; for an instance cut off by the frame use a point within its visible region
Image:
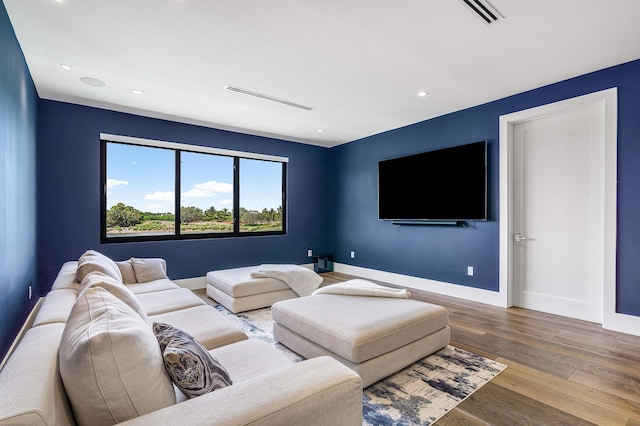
[160, 196]
[208, 189]
[226, 202]
[159, 207]
[115, 182]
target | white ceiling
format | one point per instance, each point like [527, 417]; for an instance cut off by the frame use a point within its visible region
[357, 63]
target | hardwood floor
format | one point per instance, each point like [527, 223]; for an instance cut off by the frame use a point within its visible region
[560, 371]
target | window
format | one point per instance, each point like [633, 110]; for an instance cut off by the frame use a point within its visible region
[206, 202]
[260, 196]
[156, 190]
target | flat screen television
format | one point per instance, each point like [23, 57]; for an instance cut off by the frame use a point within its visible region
[446, 185]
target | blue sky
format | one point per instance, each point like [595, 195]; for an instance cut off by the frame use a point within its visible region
[143, 177]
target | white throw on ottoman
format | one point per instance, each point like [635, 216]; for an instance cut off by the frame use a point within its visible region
[255, 287]
[374, 336]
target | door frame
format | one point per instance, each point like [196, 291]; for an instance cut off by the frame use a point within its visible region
[609, 99]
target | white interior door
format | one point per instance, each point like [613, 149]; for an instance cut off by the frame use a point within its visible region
[558, 214]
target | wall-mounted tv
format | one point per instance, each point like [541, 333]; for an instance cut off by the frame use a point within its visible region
[446, 185]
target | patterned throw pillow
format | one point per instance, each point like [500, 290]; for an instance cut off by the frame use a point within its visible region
[191, 367]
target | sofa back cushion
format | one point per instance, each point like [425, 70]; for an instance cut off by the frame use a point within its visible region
[110, 362]
[116, 288]
[93, 261]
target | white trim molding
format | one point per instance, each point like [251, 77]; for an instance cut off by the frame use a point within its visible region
[609, 99]
[407, 281]
[193, 148]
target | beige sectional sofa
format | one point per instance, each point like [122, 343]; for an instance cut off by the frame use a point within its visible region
[46, 383]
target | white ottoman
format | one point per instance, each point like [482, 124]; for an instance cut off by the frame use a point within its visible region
[237, 291]
[374, 336]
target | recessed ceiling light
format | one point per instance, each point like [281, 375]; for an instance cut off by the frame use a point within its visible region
[66, 67]
[94, 82]
[320, 130]
[137, 91]
[422, 93]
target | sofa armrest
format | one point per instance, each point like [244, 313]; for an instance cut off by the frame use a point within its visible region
[31, 389]
[317, 391]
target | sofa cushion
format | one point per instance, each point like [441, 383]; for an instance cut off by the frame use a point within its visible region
[66, 277]
[92, 260]
[250, 358]
[31, 391]
[56, 307]
[116, 288]
[149, 269]
[193, 370]
[110, 362]
[153, 286]
[160, 302]
[205, 324]
[128, 274]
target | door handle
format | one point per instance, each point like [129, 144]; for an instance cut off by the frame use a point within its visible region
[518, 237]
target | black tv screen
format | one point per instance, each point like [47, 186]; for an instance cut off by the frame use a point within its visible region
[444, 185]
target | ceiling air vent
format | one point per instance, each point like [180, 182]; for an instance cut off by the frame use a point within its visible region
[267, 97]
[483, 10]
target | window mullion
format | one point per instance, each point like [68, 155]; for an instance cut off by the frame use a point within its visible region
[283, 205]
[236, 195]
[103, 190]
[177, 219]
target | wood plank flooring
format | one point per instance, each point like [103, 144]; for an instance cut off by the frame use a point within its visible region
[560, 371]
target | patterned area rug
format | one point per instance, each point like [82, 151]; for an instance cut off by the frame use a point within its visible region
[418, 395]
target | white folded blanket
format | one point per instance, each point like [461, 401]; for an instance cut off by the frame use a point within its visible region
[303, 281]
[359, 287]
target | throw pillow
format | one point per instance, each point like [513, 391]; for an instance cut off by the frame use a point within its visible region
[191, 367]
[116, 288]
[128, 274]
[148, 269]
[110, 363]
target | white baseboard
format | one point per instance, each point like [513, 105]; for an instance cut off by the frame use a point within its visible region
[447, 289]
[622, 323]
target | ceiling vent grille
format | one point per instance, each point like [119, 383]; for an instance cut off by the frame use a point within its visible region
[483, 10]
[267, 97]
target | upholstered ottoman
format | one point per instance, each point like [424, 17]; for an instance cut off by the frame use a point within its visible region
[374, 336]
[237, 291]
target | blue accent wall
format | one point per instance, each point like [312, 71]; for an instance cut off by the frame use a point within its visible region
[18, 112]
[69, 194]
[442, 252]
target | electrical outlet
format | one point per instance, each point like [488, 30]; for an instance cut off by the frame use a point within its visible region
[353, 254]
[309, 252]
[470, 271]
[30, 293]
